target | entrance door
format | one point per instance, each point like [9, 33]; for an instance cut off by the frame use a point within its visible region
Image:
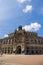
[18, 50]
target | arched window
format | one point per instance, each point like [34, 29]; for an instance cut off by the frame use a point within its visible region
[35, 47]
[32, 47]
[3, 42]
[35, 41]
[11, 41]
[26, 41]
[8, 41]
[38, 41]
[8, 47]
[41, 41]
[3, 49]
[14, 38]
[30, 40]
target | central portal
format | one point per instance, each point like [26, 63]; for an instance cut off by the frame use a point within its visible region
[18, 50]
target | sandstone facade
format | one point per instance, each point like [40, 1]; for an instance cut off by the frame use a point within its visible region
[22, 42]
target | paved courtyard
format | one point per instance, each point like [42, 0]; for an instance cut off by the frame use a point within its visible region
[21, 60]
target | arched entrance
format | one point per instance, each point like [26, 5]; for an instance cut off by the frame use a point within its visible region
[18, 50]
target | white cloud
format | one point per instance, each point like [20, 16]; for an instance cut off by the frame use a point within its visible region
[5, 35]
[22, 1]
[27, 9]
[32, 27]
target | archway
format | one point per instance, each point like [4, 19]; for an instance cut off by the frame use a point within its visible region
[18, 50]
[32, 51]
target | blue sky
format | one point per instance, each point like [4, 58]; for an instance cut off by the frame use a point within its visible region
[28, 13]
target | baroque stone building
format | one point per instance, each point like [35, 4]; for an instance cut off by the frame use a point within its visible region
[22, 42]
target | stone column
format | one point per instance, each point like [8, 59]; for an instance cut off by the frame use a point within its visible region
[14, 50]
[22, 49]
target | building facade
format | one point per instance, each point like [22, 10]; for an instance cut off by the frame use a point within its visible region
[22, 42]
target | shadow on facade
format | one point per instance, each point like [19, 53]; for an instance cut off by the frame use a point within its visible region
[18, 50]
